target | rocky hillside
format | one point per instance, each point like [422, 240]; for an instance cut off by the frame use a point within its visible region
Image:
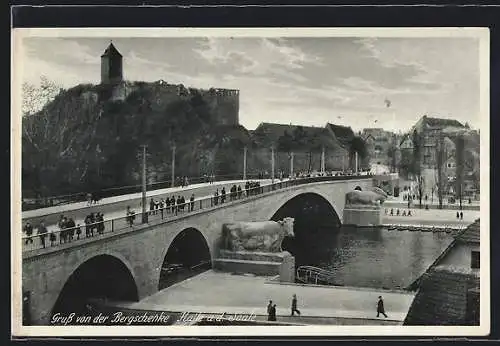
[89, 137]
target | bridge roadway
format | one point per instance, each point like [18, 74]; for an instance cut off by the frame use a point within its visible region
[115, 207]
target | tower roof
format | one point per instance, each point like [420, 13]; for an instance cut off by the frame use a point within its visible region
[111, 51]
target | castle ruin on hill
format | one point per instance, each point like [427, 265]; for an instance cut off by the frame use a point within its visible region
[225, 102]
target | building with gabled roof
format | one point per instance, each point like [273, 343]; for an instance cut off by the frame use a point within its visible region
[448, 292]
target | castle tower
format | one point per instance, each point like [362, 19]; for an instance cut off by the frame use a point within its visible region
[111, 66]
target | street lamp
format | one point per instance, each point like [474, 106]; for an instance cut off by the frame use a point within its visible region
[144, 182]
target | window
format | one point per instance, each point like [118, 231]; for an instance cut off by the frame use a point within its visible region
[474, 260]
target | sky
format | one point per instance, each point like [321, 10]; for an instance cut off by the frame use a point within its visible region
[305, 80]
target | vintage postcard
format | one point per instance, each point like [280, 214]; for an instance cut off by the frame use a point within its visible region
[255, 182]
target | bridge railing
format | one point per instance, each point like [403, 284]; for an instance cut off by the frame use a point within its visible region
[314, 275]
[92, 229]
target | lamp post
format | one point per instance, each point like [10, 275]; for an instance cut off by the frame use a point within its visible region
[291, 165]
[272, 164]
[144, 182]
[173, 166]
[322, 159]
[245, 163]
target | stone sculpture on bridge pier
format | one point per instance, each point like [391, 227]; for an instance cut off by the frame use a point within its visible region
[363, 208]
[256, 248]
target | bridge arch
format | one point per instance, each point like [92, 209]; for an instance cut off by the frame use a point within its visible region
[315, 222]
[187, 254]
[101, 276]
[290, 206]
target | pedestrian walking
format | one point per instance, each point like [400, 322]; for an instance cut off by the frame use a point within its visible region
[380, 307]
[461, 215]
[294, 305]
[458, 215]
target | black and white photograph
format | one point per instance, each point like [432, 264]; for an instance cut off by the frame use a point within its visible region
[250, 181]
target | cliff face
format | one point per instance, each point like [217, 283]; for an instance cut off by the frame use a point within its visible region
[90, 136]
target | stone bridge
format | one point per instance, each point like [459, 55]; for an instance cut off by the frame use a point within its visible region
[127, 265]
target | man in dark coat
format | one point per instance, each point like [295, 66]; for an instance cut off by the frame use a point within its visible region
[294, 305]
[28, 229]
[273, 313]
[380, 307]
[269, 309]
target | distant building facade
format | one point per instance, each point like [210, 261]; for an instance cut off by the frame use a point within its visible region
[379, 145]
[430, 130]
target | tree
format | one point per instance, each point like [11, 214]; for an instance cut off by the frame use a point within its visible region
[357, 145]
[35, 98]
[416, 167]
[441, 155]
[460, 158]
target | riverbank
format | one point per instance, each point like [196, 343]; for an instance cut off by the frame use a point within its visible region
[429, 218]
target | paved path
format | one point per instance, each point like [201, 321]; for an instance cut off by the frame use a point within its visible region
[431, 217]
[115, 207]
[216, 292]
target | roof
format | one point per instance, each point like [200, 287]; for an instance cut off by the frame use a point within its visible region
[440, 122]
[442, 298]
[471, 234]
[404, 138]
[111, 50]
[343, 133]
[269, 133]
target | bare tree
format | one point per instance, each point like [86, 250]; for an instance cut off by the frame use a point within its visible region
[35, 98]
[416, 166]
[460, 158]
[441, 156]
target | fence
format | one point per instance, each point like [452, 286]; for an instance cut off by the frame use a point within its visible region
[44, 238]
[314, 275]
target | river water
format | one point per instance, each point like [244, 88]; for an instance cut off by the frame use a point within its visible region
[373, 257]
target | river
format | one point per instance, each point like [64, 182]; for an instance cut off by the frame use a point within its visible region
[373, 257]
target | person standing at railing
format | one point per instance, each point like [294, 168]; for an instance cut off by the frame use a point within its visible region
[87, 221]
[240, 192]
[294, 306]
[216, 197]
[172, 203]
[162, 207]
[130, 216]
[183, 203]
[100, 223]
[28, 229]
[78, 232]
[167, 204]
[52, 237]
[178, 205]
[223, 195]
[71, 229]
[151, 206]
[191, 202]
[63, 224]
